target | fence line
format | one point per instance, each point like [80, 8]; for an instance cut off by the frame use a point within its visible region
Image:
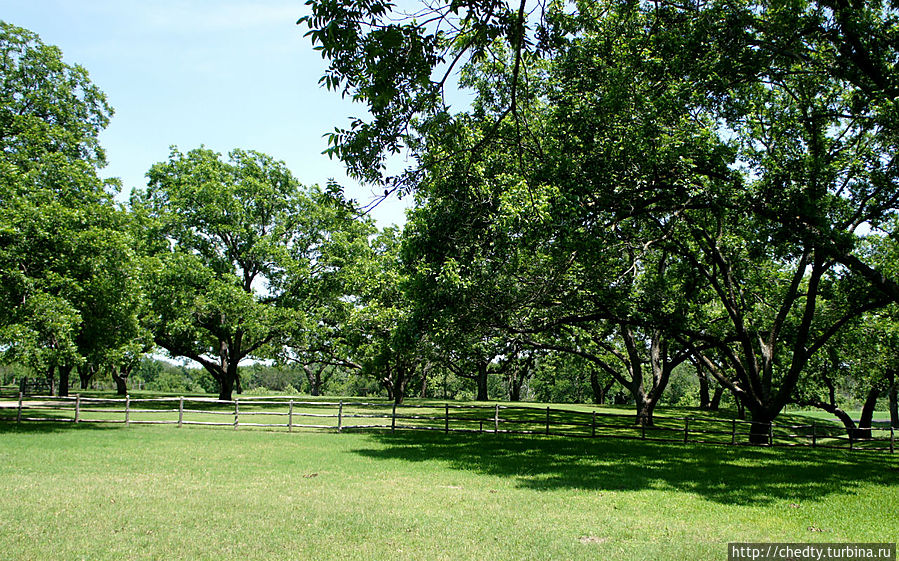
[293, 413]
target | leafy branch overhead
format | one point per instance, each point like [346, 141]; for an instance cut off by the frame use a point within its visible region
[401, 66]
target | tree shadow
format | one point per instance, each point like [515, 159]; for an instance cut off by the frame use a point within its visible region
[722, 474]
[47, 427]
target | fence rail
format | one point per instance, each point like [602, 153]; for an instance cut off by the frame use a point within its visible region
[292, 413]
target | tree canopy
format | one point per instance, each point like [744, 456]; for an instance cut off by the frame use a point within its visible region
[65, 254]
[232, 244]
[706, 173]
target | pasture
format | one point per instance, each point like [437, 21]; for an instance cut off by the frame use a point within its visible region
[154, 492]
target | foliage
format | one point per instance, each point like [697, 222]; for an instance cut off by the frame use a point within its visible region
[696, 175]
[69, 272]
[161, 376]
[328, 273]
[230, 244]
[384, 339]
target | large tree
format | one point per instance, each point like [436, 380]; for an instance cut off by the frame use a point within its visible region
[219, 235]
[63, 242]
[748, 142]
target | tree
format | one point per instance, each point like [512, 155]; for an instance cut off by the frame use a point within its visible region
[219, 234]
[475, 358]
[327, 275]
[707, 401]
[63, 242]
[386, 338]
[858, 365]
[746, 143]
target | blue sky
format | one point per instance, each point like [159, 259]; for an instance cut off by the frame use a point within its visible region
[224, 73]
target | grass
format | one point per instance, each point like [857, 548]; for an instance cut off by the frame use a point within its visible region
[109, 492]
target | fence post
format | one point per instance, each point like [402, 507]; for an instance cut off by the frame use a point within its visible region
[770, 433]
[686, 429]
[236, 413]
[290, 417]
[593, 425]
[733, 432]
[340, 416]
[892, 439]
[481, 429]
[851, 441]
[180, 411]
[446, 420]
[547, 421]
[77, 407]
[814, 434]
[496, 420]
[393, 418]
[643, 430]
[127, 410]
[19, 414]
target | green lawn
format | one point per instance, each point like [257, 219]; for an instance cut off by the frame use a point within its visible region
[157, 492]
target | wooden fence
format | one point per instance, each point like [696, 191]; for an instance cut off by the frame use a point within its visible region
[9, 390]
[293, 414]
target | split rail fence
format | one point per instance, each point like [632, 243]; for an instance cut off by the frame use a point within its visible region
[293, 414]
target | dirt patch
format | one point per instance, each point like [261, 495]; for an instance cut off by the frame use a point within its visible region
[592, 539]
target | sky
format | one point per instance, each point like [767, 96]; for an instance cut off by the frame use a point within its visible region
[221, 73]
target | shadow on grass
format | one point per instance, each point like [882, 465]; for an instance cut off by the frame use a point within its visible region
[46, 427]
[730, 475]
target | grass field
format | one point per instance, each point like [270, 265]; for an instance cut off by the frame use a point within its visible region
[109, 492]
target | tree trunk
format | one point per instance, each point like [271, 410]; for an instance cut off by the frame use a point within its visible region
[227, 368]
[226, 388]
[424, 386]
[599, 391]
[64, 372]
[646, 406]
[761, 426]
[121, 381]
[400, 381]
[715, 403]
[483, 370]
[741, 408]
[864, 423]
[51, 379]
[894, 405]
[517, 377]
[230, 374]
[424, 381]
[844, 417]
[644, 413]
[314, 379]
[315, 386]
[86, 374]
[705, 402]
